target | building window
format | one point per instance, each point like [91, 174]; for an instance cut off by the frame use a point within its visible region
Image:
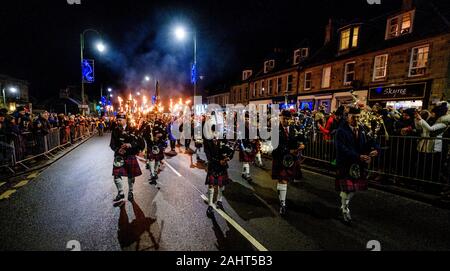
[247, 94]
[326, 77]
[380, 67]
[255, 87]
[349, 38]
[279, 84]
[300, 54]
[400, 25]
[349, 75]
[263, 88]
[270, 87]
[246, 74]
[308, 80]
[240, 94]
[269, 65]
[290, 79]
[419, 61]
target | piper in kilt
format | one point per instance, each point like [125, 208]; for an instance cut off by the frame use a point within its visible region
[248, 149]
[218, 153]
[155, 135]
[285, 162]
[126, 145]
[355, 150]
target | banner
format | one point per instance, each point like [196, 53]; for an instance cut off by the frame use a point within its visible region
[87, 69]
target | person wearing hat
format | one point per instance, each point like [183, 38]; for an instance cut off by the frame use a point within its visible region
[154, 134]
[355, 151]
[126, 144]
[285, 159]
[247, 150]
[218, 153]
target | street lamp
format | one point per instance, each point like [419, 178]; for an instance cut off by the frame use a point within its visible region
[12, 90]
[109, 89]
[181, 34]
[147, 78]
[100, 47]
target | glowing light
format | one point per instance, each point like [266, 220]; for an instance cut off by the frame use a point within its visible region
[109, 89]
[147, 78]
[101, 47]
[13, 89]
[180, 33]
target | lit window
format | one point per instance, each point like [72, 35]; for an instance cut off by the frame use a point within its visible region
[355, 37]
[349, 38]
[380, 67]
[262, 88]
[345, 39]
[349, 75]
[400, 25]
[326, 77]
[419, 61]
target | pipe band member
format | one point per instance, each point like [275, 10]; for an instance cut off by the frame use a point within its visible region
[355, 151]
[285, 162]
[218, 153]
[126, 144]
[155, 135]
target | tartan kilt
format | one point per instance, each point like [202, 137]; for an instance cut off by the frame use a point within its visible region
[130, 169]
[246, 157]
[157, 157]
[282, 173]
[345, 183]
[217, 180]
[348, 185]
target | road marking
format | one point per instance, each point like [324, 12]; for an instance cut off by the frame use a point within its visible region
[7, 194]
[1, 184]
[225, 216]
[22, 183]
[33, 175]
[176, 172]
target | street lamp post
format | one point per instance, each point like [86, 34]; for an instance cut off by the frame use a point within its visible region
[101, 48]
[181, 34]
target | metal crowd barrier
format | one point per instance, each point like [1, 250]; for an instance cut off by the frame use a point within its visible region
[404, 158]
[29, 146]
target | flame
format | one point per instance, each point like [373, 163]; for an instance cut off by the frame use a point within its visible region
[188, 102]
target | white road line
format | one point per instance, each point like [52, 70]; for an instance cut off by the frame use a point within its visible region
[176, 172]
[225, 216]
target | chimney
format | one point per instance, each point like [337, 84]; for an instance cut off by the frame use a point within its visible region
[407, 4]
[329, 31]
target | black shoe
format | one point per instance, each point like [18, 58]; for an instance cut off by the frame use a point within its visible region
[210, 212]
[119, 197]
[153, 182]
[219, 205]
[130, 197]
[283, 210]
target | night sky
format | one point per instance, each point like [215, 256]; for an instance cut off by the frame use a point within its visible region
[39, 40]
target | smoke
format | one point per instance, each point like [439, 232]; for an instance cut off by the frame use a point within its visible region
[150, 49]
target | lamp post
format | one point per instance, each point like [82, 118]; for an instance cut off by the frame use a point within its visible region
[12, 90]
[180, 34]
[101, 48]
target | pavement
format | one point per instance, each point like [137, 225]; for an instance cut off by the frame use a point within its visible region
[71, 200]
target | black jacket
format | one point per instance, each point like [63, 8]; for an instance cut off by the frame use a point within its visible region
[129, 135]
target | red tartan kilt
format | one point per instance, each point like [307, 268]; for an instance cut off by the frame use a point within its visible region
[349, 185]
[221, 180]
[247, 157]
[130, 169]
[281, 173]
[156, 157]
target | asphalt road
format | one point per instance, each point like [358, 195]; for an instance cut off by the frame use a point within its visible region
[72, 200]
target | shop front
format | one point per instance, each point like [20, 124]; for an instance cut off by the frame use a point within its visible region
[401, 96]
[286, 102]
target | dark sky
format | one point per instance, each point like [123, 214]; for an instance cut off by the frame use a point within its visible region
[39, 40]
